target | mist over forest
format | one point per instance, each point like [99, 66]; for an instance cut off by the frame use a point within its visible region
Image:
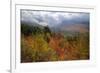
[54, 36]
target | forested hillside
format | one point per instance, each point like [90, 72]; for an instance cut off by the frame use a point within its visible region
[41, 44]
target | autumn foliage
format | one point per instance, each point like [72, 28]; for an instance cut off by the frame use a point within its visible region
[42, 45]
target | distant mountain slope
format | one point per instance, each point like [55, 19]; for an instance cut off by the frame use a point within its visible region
[75, 28]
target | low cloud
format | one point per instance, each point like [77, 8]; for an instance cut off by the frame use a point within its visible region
[51, 18]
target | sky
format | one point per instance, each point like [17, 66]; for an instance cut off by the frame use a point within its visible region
[55, 19]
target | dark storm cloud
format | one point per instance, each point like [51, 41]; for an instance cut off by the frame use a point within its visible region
[54, 18]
